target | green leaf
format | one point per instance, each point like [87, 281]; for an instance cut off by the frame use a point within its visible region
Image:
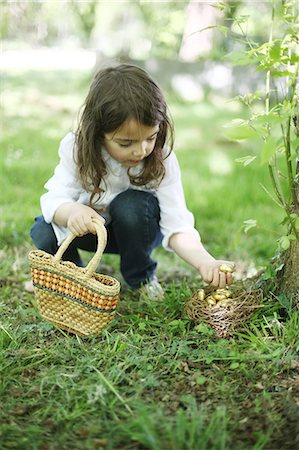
[268, 149]
[265, 119]
[281, 73]
[275, 50]
[234, 365]
[295, 142]
[294, 59]
[284, 242]
[249, 98]
[239, 59]
[204, 329]
[248, 224]
[240, 132]
[201, 380]
[246, 160]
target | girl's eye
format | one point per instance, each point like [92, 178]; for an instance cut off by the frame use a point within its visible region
[125, 145]
[152, 138]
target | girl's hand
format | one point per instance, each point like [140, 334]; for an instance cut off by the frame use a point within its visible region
[211, 273]
[80, 220]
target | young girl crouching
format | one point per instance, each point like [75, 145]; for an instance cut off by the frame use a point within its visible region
[117, 166]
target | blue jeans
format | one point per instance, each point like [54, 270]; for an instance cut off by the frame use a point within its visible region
[133, 233]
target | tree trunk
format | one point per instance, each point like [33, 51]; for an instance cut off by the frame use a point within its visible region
[197, 43]
[288, 277]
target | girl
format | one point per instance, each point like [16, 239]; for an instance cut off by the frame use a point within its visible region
[116, 166]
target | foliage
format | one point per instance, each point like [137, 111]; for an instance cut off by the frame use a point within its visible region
[125, 28]
[272, 126]
[85, 13]
[169, 19]
[113, 28]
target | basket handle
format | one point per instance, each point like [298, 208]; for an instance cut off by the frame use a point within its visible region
[102, 240]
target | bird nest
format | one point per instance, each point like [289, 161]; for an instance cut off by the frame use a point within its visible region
[224, 316]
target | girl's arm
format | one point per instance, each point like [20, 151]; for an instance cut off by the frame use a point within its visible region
[188, 247]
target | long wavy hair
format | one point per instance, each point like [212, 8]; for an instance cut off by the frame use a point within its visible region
[116, 95]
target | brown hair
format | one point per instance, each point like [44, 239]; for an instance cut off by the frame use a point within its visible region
[116, 95]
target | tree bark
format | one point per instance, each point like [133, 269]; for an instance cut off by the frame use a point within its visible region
[288, 277]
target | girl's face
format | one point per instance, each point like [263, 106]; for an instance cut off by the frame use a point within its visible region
[131, 143]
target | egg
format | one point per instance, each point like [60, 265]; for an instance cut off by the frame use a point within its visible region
[227, 268]
[201, 294]
[219, 297]
[222, 291]
[211, 301]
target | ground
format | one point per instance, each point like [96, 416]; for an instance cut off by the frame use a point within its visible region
[153, 379]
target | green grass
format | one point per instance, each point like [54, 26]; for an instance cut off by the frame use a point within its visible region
[153, 379]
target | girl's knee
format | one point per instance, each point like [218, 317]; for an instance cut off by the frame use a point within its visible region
[134, 206]
[43, 236]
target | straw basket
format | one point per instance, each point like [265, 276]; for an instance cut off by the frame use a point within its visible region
[75, 299]
[225, 320]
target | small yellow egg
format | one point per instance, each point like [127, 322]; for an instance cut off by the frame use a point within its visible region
[201, 294]
[219, 297]
[226, 268]
[223, 291]
[210, 300]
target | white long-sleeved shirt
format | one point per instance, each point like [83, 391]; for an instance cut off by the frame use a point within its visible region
[65, 187]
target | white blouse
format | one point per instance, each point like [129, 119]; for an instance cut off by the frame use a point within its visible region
[64, 187]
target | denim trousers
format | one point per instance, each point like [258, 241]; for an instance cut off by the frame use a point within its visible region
[132, 233]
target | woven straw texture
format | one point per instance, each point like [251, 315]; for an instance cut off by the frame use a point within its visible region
[75, 299]
[225, 320]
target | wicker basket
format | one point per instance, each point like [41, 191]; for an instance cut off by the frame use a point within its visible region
[225, 320]
[75, 299]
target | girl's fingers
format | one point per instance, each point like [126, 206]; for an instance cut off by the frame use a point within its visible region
[208, 276]
[222, 280]
[219, 279]
[90, 226]
[229, 279]
[81, 222]
[216, 277]
[77, 228]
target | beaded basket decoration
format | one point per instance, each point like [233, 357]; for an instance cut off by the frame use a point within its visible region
[75, 299]
[227, 318]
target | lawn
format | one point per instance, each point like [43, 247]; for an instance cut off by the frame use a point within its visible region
[153, 379]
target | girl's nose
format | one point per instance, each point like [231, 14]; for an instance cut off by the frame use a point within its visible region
[140, 149]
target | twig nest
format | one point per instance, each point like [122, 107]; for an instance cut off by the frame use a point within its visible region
[225, 310]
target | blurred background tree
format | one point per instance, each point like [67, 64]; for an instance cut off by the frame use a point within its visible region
[183, 44]
[133, 29]
[85, 13]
